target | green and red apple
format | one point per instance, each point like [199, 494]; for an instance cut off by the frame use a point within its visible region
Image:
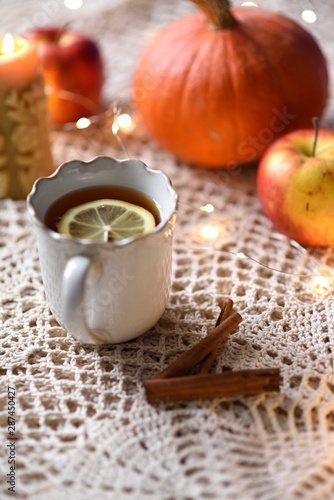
[73, 72]
[295, 182]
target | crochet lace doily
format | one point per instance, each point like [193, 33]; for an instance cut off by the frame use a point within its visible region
[84, 429]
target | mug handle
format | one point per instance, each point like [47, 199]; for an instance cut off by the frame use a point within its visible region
[73, 292]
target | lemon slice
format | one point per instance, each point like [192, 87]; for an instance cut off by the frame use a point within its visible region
[106, 220]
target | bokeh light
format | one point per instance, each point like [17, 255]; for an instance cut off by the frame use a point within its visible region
[208, 207]
[83, 123]
[209, 232]
[309, 16]
[73, 4]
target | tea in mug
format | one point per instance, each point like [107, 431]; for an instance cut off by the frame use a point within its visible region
[78, 197]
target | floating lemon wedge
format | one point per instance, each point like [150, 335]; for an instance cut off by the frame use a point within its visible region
[106, 220]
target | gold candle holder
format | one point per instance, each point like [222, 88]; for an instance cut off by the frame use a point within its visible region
[25, 152]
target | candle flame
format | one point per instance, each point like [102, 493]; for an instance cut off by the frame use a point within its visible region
[7, 44]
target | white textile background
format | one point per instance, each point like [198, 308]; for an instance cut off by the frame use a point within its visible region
[84, 428]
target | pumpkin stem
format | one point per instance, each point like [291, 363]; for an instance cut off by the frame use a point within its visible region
[218, 12]
[315, 121]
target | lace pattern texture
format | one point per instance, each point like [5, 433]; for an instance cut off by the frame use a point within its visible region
[84, 429]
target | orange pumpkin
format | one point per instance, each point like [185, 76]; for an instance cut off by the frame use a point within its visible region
[217, 87]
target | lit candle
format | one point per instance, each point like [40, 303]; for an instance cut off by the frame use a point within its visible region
[18, 62]
[24, 140]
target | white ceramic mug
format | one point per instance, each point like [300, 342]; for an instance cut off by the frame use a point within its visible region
[106, 292]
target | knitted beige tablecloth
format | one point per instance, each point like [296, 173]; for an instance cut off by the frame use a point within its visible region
[84, 429]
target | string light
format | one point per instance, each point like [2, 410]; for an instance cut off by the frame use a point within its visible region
[322, 280]
[120, 121]
[209, 233]
[117, 125]
[243, 256]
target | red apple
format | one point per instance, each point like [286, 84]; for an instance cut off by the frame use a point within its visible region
[73, 72]
[295, 183]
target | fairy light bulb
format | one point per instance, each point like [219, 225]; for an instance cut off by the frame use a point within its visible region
[83, 123]
[115, 128]
[323, 282]
[121, 121]
[209, 232]
[73, 4]
[124, 121]
[209, 208]
[241, 255]
[309, 16]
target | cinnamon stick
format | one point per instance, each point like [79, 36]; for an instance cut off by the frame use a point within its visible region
[226, 306]
[223, 385]
[226, 311]
[190, 358]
